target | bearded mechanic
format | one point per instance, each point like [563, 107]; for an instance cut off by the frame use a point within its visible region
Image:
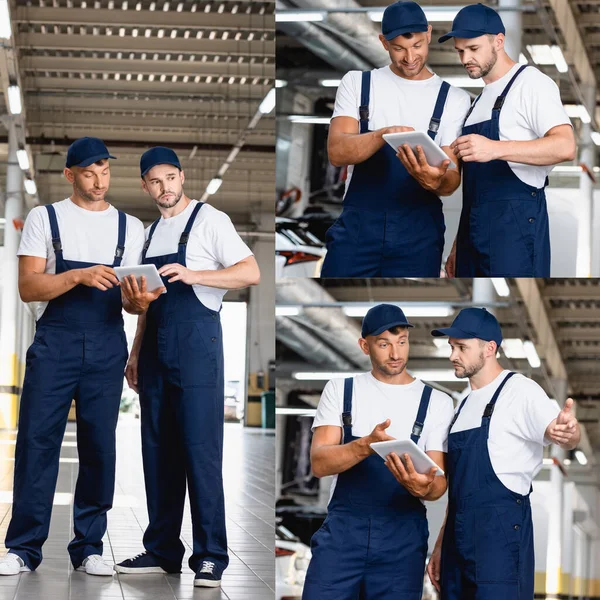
[514, 133]
[177, 364]
[392, 224]
[373, 543]
[495, 449]
[66, 257]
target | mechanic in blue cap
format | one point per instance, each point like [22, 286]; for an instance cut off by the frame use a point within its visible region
[392, 224]
[177, 363]
[495, 449]
[514, 133]
[66, 257]
[373, 543]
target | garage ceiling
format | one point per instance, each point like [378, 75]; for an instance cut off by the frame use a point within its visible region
[189, 75]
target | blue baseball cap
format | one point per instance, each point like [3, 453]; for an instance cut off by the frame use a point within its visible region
[473, 323]
[403, 17]
[382, 317]
[474, 21]
[86, 151]
[159, 155]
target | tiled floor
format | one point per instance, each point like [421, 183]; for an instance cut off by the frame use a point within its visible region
[249, 490]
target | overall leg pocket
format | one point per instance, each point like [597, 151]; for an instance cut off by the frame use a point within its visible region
[199, 349]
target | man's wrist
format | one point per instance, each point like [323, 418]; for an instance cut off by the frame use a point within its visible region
[364, 445]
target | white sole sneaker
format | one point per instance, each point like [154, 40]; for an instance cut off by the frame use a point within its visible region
[140, 570]
[206, 583]
[11, 564]
[98, 574]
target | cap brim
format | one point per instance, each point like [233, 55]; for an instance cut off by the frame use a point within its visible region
[462, 33]
[92, 159]
[162, 162]
[453, 332]
[406, 29]
[389, 326]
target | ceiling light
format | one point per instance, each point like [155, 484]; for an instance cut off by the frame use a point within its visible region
[322, 376]
[268, 103]
[596, 138]
[289, 16]
[559, 59]
[500, 286]
[375, 15]
[30, 187]
[213, 186]
[513, 348]
[309, 119]
[14, 100]
[442, 310]
[581, 458]
[23, 159]
[287, 311]
[541, 54]
[531, 353]
[5, 29]
[279, 83]
[330, 82]
[523, 59]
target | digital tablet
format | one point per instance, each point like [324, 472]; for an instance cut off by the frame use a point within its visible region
[420, 460]
[433, 153]
[150, 272]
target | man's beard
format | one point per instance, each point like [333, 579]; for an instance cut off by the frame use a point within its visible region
[483, 71]
[472, 370]
[169, 203]
[389, 371]
[89, 196]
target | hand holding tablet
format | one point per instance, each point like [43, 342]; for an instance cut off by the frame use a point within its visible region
[421, 461]
[153, 279]
[433, 153]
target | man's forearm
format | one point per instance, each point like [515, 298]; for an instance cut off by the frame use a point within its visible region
[139, 335]
[42, 287]
[232, 278]
[332, 460]
[542, 152]
[354, 148]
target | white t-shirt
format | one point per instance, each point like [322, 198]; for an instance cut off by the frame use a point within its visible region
[374, 401]
[86, 236]
[516, 443]
[214, 244]
[395, 101]
[532, 107]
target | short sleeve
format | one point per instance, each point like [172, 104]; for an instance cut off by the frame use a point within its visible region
[453, 118]
[329, 409]
[227, 246]
[541, 104]
[35, 234]
[135, 242]
[535, 411]
[441, 413]
[347, 97]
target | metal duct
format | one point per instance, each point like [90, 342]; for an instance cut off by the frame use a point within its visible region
[331, 324]
[309, 346]
[357, 26]
[323, 45]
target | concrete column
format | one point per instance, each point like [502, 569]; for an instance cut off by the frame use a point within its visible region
[483, 292]
[261, 310]
[585, 201]
[13, 208]
[513, 23]
[554, 504]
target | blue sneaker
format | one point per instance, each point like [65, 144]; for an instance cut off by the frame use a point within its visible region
[208, 575]
[142, 563]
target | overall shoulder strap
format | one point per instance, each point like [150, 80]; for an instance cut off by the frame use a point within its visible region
[436, 118]
[150, 234]
[365, 95]
[471, 109]
[347, 412]
[120, 240]
[421, 414]
[185, 236]
[457, 413]
[489, 409]
[56, 241]
[500, 99]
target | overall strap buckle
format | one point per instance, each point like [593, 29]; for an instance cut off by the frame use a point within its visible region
[417, 429]
[434, 125]
[363, 112]
[489, 409]
[147, 244]
[57, 245]
[183, 240]
[499, 102]
[120, 251]
[347, 419]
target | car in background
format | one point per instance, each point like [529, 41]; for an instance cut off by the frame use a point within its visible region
[298, 253]
[291, 563]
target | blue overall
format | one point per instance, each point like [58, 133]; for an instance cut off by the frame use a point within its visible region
[79, 352]
[182, 411]
[373, 543]
[487, 549]
[390, 226]
[503, 230]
